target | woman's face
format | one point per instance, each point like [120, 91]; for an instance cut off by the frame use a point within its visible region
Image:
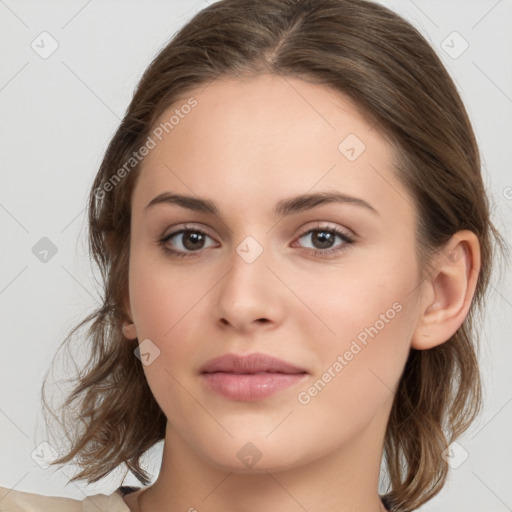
[270, 274]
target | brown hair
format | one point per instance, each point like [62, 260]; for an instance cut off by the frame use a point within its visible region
[370, 54]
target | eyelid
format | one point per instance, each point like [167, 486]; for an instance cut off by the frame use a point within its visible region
[187, 227]
[319, 225]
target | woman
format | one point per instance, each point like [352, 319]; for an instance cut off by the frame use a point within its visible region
[294, 239]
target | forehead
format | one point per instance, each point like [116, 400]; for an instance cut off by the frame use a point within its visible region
[264, 137]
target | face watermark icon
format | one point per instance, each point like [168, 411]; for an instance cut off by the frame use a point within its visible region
[249, 249]
[45, 45]
[44, 250]
[351, 147]
[455, 455]
[147, 352]
[43, 454]
[454, 45]
[249, 455]
[507, 193]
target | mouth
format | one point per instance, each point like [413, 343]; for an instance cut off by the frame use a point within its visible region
[250, 377]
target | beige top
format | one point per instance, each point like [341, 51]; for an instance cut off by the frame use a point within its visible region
[19, 501]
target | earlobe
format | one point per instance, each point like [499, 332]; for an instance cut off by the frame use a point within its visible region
[129, 330]
[448, 291]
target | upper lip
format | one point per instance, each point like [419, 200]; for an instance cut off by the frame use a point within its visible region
[252, 363]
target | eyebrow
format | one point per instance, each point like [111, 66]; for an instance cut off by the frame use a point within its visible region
[282, 208]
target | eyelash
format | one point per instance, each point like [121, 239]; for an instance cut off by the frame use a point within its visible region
[317, 252]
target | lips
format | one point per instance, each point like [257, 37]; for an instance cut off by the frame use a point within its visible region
[250, 364]
[251, 377]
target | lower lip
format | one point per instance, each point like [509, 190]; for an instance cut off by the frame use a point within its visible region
[249, 387]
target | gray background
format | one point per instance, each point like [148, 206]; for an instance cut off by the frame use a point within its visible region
[58, 114]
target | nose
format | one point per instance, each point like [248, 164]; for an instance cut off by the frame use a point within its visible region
[249, 297]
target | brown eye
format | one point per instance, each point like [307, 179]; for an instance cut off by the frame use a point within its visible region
[193, 240]
[323, 240]
[185, 241]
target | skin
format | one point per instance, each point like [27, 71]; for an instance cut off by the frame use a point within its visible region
[245, 146]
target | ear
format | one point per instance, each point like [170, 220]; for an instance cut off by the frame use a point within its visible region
[448, 291]
[128, 327]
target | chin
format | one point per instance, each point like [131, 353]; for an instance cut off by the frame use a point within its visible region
[251, 453]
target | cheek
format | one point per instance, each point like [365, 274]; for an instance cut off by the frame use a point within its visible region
[366, 301]
[358, 375]
[161, 296]
[371, 313]
[166, 304]
[162, 306]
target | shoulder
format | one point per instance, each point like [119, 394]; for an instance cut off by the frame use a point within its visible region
[19, 501]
